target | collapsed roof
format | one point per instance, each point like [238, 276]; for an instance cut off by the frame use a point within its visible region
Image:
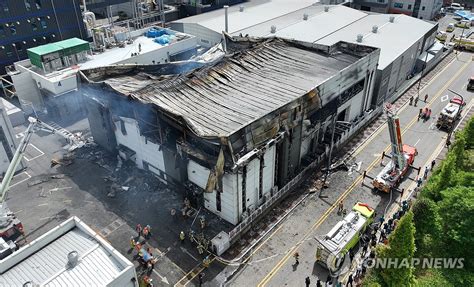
[256, 78]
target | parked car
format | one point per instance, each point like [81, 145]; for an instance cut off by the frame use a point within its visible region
[450, 28]
[463, 24]
[456, 6]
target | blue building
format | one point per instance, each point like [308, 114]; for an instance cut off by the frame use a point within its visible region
[29, 23]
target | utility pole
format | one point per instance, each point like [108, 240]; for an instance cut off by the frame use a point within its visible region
[421, 76]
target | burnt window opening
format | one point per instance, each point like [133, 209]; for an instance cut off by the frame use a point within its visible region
[218, 201]
[260, 182]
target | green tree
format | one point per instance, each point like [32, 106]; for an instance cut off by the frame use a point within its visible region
[458, 149]
[469, 133]
[457, 213]
[428, 227]
[442, 179]
[402, 246]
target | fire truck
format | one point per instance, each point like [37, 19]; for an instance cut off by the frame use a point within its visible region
[10, 226]
[332, 248]
[401, 158]
[450, 113]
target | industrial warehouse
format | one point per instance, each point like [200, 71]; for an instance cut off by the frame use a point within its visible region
[238, 129]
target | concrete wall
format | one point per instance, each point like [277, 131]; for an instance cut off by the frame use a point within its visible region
[162, 55]
[205, 37]
[26, 89]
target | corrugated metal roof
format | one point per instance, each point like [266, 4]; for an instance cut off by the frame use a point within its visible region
[393, 39]
[255, 12]
[222, 99]
[318, 25]
[49, 264]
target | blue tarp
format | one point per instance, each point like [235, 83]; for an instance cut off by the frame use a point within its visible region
[156, 32]
[465, 15]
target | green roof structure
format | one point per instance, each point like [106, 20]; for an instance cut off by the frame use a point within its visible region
[39, 55]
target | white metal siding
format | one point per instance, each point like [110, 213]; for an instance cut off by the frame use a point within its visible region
[229, 199]
[252, 183]
[269, 170]
[198, 174]
[145, 150]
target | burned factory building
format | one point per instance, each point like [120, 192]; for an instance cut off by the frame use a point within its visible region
[237, 130]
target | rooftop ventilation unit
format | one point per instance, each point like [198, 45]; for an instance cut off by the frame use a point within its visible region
[326, 9]
[391, 19]
[72, 259]
[273, 29]
[359, 38]
[241, 8]
[305, 16]
[375, 28]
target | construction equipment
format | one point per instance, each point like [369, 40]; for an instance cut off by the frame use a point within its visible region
[402, 156]
[332, 248]
[10, 226]
[451, 113]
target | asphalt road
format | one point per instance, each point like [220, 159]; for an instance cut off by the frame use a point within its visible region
[272, 264]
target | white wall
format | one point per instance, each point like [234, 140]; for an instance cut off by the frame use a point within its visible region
[206, 37]
[269, 170]
[231, 195]
[145, 150]
[252, 184]
[56, 86]
[231, 191]
[26, 89]
[161, 55]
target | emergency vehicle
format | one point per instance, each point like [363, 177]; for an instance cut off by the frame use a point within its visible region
[402, 156]
[450, 113]
[332, 248]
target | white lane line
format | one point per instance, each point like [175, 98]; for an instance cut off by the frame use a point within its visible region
[40, 151]
[29, 176]
[42, 204]
[187, 252]
[417, 142]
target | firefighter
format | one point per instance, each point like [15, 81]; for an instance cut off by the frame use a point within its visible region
[416, 101]
[426, 98]
[200, 249]
[340, 207]
[411, 100]
[206, 261]
[132, 243]
[182, 236]
[297, 258]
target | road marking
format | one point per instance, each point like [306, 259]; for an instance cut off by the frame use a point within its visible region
[417, 142]
[187, 252]
[40, 151]
[23, 180]
[163, 278]
[272, 273]
[444, 98]
[116, 224]
[42, 204]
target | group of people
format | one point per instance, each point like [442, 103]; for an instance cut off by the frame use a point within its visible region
[425, 113]
[143, 231]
